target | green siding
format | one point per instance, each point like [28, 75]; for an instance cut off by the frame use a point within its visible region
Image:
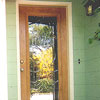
[11, 50]
[92, 59]
[78, 15]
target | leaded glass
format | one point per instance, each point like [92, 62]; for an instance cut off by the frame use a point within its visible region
[43, 58]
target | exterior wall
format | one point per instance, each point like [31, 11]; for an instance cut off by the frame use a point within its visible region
[92, 57]
[78, 15]
[78, 41]
[11, 50]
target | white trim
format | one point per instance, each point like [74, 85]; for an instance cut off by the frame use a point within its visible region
[71, 70]
[18, 51]
[53, 4]
[3, 53]
[44, 3]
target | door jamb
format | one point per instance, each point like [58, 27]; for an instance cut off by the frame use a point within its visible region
[67, 5]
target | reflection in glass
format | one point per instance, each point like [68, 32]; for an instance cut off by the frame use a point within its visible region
[43, 58]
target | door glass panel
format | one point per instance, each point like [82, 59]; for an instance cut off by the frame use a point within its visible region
[43, 58]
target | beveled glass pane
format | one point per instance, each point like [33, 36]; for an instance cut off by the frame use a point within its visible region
[43, 58]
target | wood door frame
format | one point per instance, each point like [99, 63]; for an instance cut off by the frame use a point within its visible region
[70, 44]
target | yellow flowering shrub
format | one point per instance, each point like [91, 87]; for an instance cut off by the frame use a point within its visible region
[44, 63]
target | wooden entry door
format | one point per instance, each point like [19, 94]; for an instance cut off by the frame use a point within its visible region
[62, 48]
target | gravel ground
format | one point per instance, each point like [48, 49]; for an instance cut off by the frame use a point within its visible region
[42, 96]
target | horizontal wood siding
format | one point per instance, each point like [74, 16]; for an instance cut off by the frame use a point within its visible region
[11, 50]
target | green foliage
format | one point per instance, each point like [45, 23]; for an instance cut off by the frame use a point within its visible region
[93, 0]
[41, 65]
[90, 40]
[41, 34]
[44, 85]
[95, 37]
[84, 1]
[99, 35]
[97, 10]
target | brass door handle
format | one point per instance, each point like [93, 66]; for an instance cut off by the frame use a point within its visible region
[21, 69]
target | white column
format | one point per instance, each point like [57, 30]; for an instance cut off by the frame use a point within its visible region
[3, 53]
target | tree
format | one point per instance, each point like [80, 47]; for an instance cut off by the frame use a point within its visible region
[41, 35]
[41, 57]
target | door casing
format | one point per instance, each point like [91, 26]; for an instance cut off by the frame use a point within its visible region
[62, 48]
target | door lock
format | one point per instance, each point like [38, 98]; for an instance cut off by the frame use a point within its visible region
[21, 69]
